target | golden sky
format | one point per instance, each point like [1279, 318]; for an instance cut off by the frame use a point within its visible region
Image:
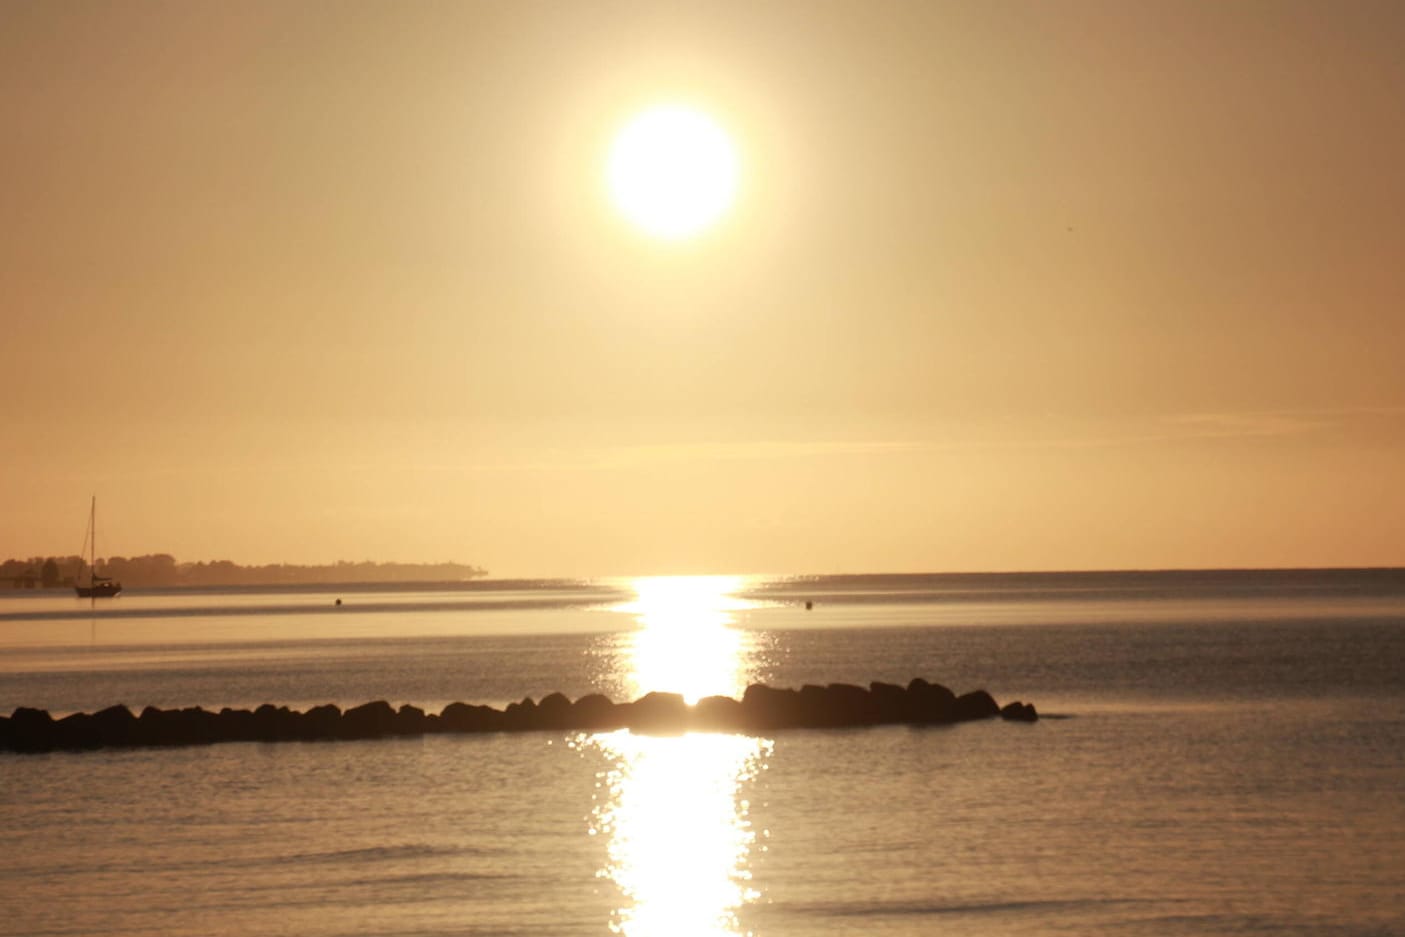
[1006, 285]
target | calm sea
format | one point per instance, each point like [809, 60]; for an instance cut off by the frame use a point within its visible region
[1222, 753]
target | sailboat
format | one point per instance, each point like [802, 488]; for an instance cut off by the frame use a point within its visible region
[98, 587]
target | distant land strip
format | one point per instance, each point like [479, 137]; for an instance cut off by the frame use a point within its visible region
[162, 570]
[761, 709]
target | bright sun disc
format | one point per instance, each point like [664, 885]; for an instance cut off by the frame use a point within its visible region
[672, 171]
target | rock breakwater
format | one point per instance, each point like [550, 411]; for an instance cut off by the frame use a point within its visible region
[761, 709]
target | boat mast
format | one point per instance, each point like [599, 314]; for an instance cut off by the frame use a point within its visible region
[93, 542]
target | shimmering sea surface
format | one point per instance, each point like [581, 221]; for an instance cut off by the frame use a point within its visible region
[1222, 753]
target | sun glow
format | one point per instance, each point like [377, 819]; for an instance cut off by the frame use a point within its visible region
[672, 171]
[685, 642]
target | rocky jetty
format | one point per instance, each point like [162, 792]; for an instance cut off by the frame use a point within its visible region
[761, 709]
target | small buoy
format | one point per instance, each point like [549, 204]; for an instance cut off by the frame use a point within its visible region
[809, 605]
[338, 601]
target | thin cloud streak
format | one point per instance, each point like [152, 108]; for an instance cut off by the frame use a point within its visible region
[1177, 428]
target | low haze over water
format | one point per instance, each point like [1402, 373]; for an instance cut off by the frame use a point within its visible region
[1220, 753]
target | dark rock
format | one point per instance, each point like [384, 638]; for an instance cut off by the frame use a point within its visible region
[851, 705]
[200, 726]
[554, 711]
[368, 721]
[978, 704]
[410, 720]
[112, 726]
[275, 723]
[930, 703]
[814, 707]
[236, 725]
[76, 730]
[1019, 712]
[321, 722]
[462, 717]
[718, 714]
[190, 726]
[765, 707]
[32, 730]
[594, 711]
[521, 717]
[151, 728]
[115, 725]
[889, 702]
[838, 704]
[657, 714]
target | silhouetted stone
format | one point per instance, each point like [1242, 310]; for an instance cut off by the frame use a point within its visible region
[201, 725]
[521, 717]
[115, 726]
[594, 711]
[765, 707]
[554, 711]
[236, 725]
[275, 723]
[321, 722]
[814, 707]
[718, 714]
[977, 704]
[462, 717]
[149, 725]
[32, 730]
[930, 702]
[1019, 712]
[189, 726]
[76, 730]
[838, 704]
[852, 705]
[657, 713]
[111, 726]
[265, 723]
[889, 702]
[368, 721]
[409, 720]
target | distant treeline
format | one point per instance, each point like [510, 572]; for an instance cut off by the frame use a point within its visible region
[161, 569]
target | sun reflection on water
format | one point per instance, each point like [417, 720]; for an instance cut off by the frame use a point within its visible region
[673, 811]
[678, 833]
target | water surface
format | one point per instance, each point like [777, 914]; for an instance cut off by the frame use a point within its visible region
[1231, 762]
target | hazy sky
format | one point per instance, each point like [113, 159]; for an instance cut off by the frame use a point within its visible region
[1008, 285]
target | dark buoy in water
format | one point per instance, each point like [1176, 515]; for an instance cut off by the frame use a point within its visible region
[338, 601]
[809, 605]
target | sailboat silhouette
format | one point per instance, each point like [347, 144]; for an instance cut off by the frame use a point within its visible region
[98, 587]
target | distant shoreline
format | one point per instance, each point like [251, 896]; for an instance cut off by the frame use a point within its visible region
[162, 571]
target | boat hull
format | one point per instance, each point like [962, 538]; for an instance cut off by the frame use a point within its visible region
[101, 590]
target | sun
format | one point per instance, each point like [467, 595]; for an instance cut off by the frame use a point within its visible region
[672, 171]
